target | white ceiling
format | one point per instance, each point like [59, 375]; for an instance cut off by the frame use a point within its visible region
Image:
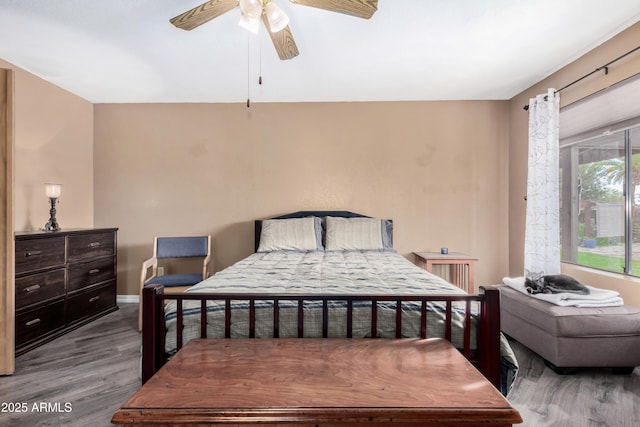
[116, 51]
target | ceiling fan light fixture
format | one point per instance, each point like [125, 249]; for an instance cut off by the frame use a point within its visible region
[249, 23]
[251, 7]
[251, 13]
[278, 20]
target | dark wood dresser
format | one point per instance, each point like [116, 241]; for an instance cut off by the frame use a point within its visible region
[64, 279]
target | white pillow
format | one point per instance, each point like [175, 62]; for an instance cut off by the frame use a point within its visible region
[293, 234]
[353, 234]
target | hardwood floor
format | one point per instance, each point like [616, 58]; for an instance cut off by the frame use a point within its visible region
[95, 369]
[92, 370]
[592, 397]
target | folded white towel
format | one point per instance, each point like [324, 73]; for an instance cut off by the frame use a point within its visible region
[597, 297]
[516, 283]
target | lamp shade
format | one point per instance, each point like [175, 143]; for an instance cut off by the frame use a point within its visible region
[253, 8]
[278, 20]
[251, 13]
[53, 190]
[249, 23]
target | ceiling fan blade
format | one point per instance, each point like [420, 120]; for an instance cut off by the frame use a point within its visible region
[359, 8]
[282, 40]
[203, 13]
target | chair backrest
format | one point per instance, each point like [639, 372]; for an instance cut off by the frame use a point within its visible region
[182, 247]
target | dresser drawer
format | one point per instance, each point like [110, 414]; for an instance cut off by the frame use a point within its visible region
[95, 300]
[88, 246]
[89, 273]
[39, 287]
[35, 254]
[32, 324]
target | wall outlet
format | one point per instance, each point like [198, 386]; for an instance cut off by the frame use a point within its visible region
[160, 271]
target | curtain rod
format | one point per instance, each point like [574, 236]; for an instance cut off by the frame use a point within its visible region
[604, 67]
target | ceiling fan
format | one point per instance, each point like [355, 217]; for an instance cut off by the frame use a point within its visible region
[274, 19]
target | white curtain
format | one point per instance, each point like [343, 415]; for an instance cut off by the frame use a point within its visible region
[542, 234]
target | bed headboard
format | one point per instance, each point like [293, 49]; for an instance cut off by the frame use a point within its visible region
[303, 214]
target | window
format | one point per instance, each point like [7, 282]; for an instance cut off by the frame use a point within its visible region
[599, 161]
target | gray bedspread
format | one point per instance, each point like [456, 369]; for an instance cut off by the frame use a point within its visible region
[326, 272]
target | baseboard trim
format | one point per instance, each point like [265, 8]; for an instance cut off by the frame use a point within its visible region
[128, 299]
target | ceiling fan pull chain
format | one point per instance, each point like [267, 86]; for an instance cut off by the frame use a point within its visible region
[260, 62]
[248, 73]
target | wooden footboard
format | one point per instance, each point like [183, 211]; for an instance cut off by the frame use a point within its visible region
[485, 354]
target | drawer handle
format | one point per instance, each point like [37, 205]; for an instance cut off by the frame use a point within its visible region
[33, 322]
[32, 288]
[94, 299]
[94, 271]
[94, 245]
[32, 253]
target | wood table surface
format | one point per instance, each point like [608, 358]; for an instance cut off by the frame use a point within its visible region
[313, 382]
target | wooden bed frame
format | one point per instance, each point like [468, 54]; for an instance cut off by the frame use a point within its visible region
[484, 353]
[485, 356]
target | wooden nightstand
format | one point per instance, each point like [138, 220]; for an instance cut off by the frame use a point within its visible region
[461, 267]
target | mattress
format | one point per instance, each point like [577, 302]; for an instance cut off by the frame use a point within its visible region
[325, 273]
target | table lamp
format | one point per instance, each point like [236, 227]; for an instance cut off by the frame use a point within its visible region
[53, 192]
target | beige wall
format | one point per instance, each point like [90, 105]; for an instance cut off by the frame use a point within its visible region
[615, 47]
[438, 169]
[53, 143]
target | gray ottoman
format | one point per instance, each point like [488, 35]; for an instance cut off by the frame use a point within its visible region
[573, 337]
